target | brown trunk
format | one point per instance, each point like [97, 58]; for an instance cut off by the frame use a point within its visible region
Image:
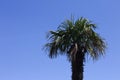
[77, 66]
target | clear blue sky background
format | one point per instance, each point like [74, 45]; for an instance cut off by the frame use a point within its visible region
[23, 28]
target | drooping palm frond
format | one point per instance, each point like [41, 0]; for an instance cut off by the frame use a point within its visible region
[96, 46]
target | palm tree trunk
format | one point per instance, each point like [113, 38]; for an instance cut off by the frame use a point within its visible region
[78, 66]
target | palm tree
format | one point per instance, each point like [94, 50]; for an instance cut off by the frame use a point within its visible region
[76, 39]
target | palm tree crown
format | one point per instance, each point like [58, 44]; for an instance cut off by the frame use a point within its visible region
[72, 36]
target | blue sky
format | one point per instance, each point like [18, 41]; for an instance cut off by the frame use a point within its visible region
[23, 28]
